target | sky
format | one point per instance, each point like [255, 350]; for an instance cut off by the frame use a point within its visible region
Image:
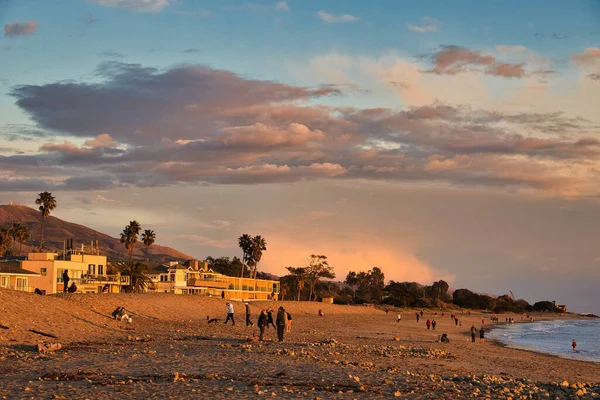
[429, 139]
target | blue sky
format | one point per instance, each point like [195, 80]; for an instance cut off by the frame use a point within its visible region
[432, 139]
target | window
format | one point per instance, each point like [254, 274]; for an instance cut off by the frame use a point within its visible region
[100, 269]
[21, 283]
[92, 269]
[4, 281]
[43, 271]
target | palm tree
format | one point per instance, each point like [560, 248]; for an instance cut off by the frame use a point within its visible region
[148, 238]
[245, 243]
[259, 244]
[129, 237]
[137, 280]
[19, 233]
[5, 240]
[46, 203]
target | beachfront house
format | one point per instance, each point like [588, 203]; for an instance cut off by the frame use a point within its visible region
[195, 277]
[12, 276]
[87, 271]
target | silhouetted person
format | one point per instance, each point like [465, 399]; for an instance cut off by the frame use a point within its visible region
[281, 323]
[428, 323]
[262, 323]
[433, 324]
[66, 280]
[248, 322]
[270, 320]
[223, 294]
[473, 333]
[72, 288]
[574, 344]
[481, 335]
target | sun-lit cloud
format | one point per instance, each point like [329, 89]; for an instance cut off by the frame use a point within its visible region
[332, 18]
[282, 6]
[14, 29]
[429, 25]
[135, 5]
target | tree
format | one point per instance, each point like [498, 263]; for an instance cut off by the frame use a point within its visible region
[245, 243]
[367, 286]
[129, 237]
[137, 280]
[148, 238]
[299, 275]
[5, 240]
[46, 203]
[259, 244]
[19, 233]
[317, 269]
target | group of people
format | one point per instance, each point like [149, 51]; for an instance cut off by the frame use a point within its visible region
[474, 334]
[121, 314]
[282, 322]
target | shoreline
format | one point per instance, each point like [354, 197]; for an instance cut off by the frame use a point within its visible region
[507, 343]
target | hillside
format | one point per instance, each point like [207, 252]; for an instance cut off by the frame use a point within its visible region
[57, 231]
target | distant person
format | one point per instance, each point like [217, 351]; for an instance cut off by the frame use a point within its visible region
[428, 323]
[399, 318]
[482, 321]
[574, 344]
[121, 314]
[387, 311]
[444, 338]
[273, 296]
[38, 291]
[417, 315]
[248, 322]
[321, 313]
[421, 313]
[481, 335]
[455, 321]
[229, 314]
[66, 280]
[72, 288]
[433, 324]
[442, 315]
[281, 323]
[223, 294]
[105, 288]
[288, 327]
[473, 333]
[270, 320]
[262, 323]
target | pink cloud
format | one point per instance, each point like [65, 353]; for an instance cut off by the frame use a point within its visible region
[14, 29]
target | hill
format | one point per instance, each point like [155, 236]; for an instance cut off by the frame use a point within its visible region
[57, 231]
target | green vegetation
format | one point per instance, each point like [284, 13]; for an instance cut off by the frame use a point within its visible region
[148, 238]
[46, 203]
[252, 248]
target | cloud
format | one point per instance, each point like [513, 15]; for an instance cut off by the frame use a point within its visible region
[430, 25]
[135, 5]
[100, 141]
[332, 19]
[590, 56]
[282, 6]
[197, 125]
[217, 224]
[14, 29]
[451, 60]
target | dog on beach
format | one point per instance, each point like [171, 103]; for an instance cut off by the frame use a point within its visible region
[212, 320]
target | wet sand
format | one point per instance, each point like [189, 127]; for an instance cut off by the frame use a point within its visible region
[169, 351]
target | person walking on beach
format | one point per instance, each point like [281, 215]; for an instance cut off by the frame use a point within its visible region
[399, 318]
[428, 323]
[288, 327]
[229, 314]
[481, 335]
[473, 333]
[223, 294]
[433, 324]
[281, 323]
[66, 279]
[262, 323]
[270, 317]
[248, 322]
[574, 344]
[417, 315]
[455, 321]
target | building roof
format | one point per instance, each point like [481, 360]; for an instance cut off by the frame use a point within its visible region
[14, 268]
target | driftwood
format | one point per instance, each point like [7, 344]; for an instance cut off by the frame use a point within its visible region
[43, 333]
[4, 326]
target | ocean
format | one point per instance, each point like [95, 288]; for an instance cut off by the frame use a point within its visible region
[554, 337]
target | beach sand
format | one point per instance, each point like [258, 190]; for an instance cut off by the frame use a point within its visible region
[169, 351]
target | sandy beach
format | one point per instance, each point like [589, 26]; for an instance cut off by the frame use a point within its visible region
[170, 351]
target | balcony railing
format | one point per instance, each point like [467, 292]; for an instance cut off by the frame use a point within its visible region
[98, 279]
[28, 289]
